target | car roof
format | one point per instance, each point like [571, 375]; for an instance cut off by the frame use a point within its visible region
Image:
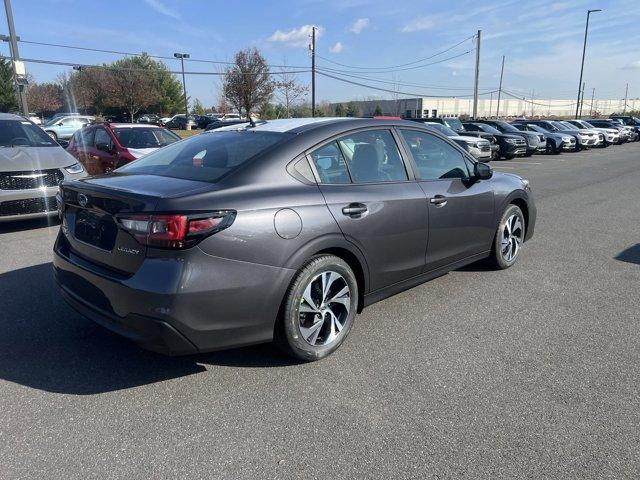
[10, 116]
[131, 125]
[300, 125]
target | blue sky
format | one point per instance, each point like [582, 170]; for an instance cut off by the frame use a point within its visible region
[542, 41]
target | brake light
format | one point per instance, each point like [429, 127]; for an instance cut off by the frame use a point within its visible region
[175, 231]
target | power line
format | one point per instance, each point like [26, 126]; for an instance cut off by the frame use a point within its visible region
[536, 103]
[139, 54]
[412, 94]
[391, 82]
[108, 67]
[400, 65]
[417, 66]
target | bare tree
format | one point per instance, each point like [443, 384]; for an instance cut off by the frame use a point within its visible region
[289, 91]
[247, 84]
[44, 97]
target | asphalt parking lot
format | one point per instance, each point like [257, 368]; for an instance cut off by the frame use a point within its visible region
[526, 373]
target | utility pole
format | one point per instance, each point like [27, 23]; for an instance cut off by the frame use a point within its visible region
[626, 97]
[313, 71]
[593, 95]
[182, 56]
[490, 104]
[477, 80]
[18, 66]
[532, 98]
[582, 98]
[500, 88]
[584, 50]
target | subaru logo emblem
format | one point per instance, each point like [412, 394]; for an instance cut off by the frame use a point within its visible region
[83, 199]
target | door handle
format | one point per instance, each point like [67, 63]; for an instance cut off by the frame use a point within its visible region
[438, 200]
[354, 209]
[95, 157]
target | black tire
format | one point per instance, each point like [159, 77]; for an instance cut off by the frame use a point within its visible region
[497, 259]
[288, 334]
[509, 157]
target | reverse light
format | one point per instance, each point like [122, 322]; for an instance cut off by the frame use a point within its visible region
[75, 168]
[175, 231]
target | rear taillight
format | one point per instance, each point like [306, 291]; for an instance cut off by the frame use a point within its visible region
[175, 230]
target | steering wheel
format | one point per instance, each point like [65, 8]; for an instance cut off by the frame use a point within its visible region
[20, 141]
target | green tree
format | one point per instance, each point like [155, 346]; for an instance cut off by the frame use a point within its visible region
[340, 111]
[44, 98]
[197, 108]
[353, 110]
[8, 101]
[378, 111]
[133, 88]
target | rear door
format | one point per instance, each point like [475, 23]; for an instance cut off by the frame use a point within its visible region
[105, 161]
[461, 210]
[80, 143]
[375, 201]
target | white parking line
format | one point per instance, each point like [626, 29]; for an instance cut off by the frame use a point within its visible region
[525, 163]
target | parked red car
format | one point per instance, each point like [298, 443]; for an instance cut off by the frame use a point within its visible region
[106, 146]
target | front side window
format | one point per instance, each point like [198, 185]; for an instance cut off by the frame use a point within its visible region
[373, 156]
[330, 164]
[83, 137]
[102, 137]
[434, 157]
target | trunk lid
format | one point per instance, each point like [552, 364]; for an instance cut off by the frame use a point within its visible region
[92, 206]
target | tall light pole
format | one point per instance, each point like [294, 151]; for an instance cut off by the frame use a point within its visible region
[584, 50]
[182, 56]
[18, 67]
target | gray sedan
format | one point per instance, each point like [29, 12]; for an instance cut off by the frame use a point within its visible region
[281, 230]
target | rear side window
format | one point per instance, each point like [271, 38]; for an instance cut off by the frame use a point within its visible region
[434, 157]
[330, 164]
[83, 138]
[207, 157]
[373, 156]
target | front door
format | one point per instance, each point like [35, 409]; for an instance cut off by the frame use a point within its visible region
[378, 208]
[461, 210]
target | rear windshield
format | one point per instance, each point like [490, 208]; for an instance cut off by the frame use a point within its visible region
[21, 133]
[140, 137]
[206, 157]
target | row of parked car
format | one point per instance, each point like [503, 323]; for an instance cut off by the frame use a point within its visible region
[181, 121]
[496, 139]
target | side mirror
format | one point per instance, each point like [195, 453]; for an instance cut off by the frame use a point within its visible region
[104, 147]
[59, 124]
[482, 171]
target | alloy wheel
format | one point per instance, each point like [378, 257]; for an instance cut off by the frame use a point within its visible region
[324, 308]
[512, 237]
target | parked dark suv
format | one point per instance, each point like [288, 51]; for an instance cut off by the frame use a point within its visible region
[536, 142]
[511, 146]
[283, 230]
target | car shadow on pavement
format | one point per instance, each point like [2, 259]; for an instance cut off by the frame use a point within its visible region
[630, 255]
[45, 344]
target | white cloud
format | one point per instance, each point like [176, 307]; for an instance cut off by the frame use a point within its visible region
[632, 66]
[162, 9]
[296, 37]
[337, 48]
[359, 25]
[420, 23]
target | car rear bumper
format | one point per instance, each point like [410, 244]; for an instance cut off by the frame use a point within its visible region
[182, 303]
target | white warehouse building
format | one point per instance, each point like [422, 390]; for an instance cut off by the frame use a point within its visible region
[429, 107]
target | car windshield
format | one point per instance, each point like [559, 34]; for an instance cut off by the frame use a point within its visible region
[488, 128]
[558, 126]
[21, 133]
[508, 127]
[537, 128]
[207, 157]
[442, 129]
[454, 123]
[569, 126]
[587, 124]
[145, 137]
